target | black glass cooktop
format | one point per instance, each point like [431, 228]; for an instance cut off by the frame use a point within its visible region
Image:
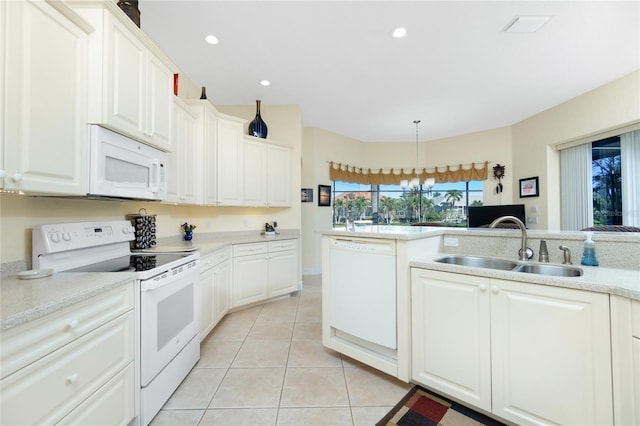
[134, 262]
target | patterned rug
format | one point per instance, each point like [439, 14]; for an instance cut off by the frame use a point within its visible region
[422, 408]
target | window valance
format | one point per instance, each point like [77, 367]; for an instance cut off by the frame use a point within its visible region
[353, 174]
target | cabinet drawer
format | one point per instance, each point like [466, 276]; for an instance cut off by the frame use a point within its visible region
[283, 245]
[31, 341]
[635, 318]
[48, 389]
[249, 249]
[112, 404]
[220, 256]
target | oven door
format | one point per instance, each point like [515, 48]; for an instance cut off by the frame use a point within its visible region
[169, 318]
[124, 168]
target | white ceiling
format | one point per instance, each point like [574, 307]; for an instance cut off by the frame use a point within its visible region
[456, 70]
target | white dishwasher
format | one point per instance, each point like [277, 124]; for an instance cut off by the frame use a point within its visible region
[363, 289]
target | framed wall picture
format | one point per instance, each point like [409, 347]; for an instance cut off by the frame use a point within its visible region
[306, 195]
[529, 187]
[324, 195]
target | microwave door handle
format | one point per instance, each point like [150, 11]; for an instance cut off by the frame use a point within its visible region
[155, 175]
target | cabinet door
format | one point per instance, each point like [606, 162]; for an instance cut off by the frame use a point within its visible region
[451, 335]
[207, 281]
[279, 176]
[125, 71]
[249, 279]
[44, 99]
[221, 294]
[113, 404]
[208, 125]
[551, 355]
[283, 272]
[254, 167]
[159, 109]
[229, 164]
[182, 185]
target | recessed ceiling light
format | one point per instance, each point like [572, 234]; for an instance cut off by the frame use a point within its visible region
[526, 24]
[265, 82]
[399, 32]
[211, 39]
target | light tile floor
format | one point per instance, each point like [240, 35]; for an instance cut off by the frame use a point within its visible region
[266, 365]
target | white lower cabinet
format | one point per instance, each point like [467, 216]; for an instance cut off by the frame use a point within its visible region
[264, 270]
[530, 354]
[95, 370]
[215, 281]
[625, 351]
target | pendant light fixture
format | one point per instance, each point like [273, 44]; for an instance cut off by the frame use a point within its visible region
[415, 181]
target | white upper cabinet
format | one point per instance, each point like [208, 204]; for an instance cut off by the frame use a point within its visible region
[182, 170]
[279, 176]
[43, 98]
[229, 153]
[266, 173]
[131, 81]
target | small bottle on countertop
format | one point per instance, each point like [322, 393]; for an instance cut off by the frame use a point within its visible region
[589, 253]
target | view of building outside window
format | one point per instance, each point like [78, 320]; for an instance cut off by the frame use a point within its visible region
[444, 204]
[606, 181]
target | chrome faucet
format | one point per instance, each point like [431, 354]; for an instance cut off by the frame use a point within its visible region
[525, 252]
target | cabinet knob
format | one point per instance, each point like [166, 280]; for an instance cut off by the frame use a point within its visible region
[482, 287]
[72, 324]
[495, 289]
[16, 177]
[72, 379]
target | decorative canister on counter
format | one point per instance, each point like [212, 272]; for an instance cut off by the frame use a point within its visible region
[145, 229]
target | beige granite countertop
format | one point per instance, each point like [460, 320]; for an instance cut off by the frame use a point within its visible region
[390, 232]
[25, 300]
[621, 282]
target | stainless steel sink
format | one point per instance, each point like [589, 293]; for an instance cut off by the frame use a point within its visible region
[555, 270]
[507, 265]
[479, 262]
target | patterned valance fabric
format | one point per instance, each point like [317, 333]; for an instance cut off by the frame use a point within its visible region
[352, 174]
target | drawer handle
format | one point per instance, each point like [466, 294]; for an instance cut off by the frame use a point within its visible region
[72, 324]
[72, 379]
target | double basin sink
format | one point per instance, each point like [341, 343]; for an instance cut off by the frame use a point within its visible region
[507, 265]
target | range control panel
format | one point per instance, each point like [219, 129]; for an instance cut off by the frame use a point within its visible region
[70, 236]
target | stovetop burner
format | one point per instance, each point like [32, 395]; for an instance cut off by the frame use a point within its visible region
[134, 262]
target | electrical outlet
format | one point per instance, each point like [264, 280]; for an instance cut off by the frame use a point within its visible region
[532, 219]
[245, 223]
[450, 242]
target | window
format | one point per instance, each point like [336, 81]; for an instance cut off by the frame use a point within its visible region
[600, 182]
[445, 204]
[606, 181]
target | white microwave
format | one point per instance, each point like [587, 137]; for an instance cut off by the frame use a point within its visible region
[120, 167]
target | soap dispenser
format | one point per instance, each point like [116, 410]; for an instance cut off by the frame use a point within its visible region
[589, 253]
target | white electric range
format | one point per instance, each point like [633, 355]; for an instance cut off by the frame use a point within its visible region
[166, 289]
